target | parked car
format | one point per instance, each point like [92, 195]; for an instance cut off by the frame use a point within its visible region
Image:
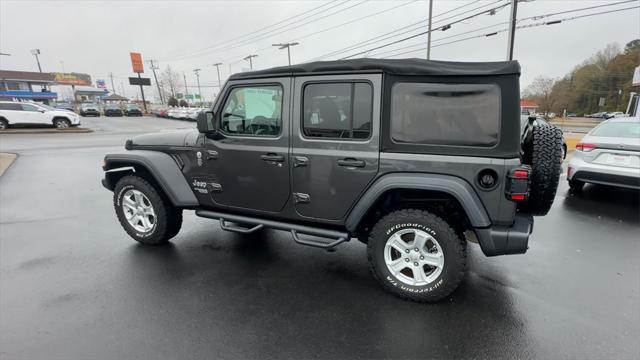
[192, 113]
[113, 110]
[132, 110]
[598, 115]
[615, 114]
[609, 154]
[23, 113]
[310, 149]
[524, 121]
[65, 106]
[89, 109]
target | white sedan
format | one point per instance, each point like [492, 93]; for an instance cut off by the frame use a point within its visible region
[13, 113]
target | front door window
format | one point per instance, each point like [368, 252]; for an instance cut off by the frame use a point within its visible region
[253, 111]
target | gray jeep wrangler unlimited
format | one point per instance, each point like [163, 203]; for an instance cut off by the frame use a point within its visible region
[411, 157]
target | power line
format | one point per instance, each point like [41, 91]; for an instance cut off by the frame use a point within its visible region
[258, 30]
[443, 27]
[413, 27]
[553, 22]
[267, 35]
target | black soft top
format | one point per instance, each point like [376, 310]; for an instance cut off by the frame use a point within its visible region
[412, 66]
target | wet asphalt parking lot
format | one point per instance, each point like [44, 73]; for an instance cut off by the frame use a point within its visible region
[73, 285]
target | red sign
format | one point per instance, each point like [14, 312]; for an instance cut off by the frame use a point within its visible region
[136, 62]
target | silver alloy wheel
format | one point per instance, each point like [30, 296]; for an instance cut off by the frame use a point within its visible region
[138, 210]
[62, 124]
[414, 257]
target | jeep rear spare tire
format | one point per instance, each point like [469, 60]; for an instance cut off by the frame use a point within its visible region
[416, 255]
[543, 152]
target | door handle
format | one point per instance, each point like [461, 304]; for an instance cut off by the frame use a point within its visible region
[351, 162]
[300, 161]
[272, 157]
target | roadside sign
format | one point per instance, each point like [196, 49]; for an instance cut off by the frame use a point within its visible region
[136, 62]
[189, 97]
[601, 102]
[101, 84]
[179, 95]
[636, 77]
[73, 79]
[140, 81]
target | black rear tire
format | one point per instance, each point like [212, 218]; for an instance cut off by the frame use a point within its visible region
[544, 154]
[576, 185]
[4, 124]
[451, 246]
[168, 219]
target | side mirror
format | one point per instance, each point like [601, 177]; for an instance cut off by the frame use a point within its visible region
[205, 122]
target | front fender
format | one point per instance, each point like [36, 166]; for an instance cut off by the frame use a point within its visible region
[452, 185]
[161, 166]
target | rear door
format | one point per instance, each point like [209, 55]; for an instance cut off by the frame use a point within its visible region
[13, 112]
[335, 142]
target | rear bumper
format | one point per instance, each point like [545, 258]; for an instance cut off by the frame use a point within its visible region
[502, 240]
[589, 172]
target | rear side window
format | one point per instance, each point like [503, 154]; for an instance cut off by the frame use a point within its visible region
[6, 106]
[29, 107]
[337, 110]
[618, 129]
[445, 114]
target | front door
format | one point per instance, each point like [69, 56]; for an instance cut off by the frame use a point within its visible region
[248, 163]
[335, 142]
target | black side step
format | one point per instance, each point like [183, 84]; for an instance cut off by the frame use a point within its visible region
[337, 237]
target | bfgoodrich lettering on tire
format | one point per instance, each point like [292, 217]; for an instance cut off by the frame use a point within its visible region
[144, 212]
[416, 255]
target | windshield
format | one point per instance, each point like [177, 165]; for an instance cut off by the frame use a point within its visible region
[618, 129]
[132, 106]
[88, 105]
[46, 107]
[112, 107]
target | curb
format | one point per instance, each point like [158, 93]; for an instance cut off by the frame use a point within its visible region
[6, 159]
[46, 131]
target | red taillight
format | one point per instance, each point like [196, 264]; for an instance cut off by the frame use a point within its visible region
[517, 197]
[586, 147]
[521, 174]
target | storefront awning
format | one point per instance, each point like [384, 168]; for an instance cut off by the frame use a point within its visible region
[28, 94]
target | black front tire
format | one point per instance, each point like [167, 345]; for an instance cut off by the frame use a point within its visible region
[168, 219]
[453, 250]
[4, 124]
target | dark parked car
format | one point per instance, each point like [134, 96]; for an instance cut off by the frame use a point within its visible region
[65, 106]
[407, 156]
[113, 110]
[132, 110]
[89, 110]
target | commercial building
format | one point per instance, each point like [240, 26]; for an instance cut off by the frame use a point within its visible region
[26, 85]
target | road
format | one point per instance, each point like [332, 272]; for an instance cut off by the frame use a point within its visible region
[73, 285]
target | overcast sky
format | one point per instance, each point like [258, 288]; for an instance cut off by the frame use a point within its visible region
[95, 37]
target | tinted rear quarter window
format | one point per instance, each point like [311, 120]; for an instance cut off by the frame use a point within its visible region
[445, 114]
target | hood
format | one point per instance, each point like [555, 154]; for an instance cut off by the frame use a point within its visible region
[173, 138]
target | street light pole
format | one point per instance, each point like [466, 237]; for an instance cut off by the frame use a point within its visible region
[197, 72]
[429, 33]
[217, 65]
[512, 29]
[36, 52]
[288, 47]
[154, 68]
[249, 57]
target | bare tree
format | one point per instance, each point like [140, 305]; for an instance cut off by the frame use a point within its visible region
[170, 80]
[603, 57]
[540, 90]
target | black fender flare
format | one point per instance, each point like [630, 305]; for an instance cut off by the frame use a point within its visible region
[160, 165]
[457, 187]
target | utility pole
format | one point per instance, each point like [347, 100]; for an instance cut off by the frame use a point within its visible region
[112, 86]
[186, 88]
[429, 33]
[4, 54]
[36, 52]
[512, 29]
[217, 65]
[154, 68]
[197, 72]
[287, 46]
[249, 57]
